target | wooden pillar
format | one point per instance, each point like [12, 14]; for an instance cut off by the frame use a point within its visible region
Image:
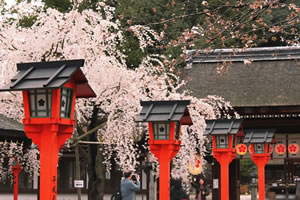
[234, 180]
[216, 192]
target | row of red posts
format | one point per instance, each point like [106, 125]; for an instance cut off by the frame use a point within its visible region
[49, 93]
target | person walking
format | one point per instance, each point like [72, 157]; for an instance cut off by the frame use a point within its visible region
[202, 190]
[129, 186]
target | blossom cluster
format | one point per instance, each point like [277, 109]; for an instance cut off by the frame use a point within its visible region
[14, 151]
[86, 34]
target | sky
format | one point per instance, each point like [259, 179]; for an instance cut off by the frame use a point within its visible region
[9, 2]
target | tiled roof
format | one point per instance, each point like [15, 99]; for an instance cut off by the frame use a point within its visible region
[53, 74]
[158, 111]
[258, 136]
[222, 126]
[236, 55]
[251, 77]
[10, 124]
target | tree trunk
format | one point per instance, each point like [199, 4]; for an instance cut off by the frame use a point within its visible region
[96, 168]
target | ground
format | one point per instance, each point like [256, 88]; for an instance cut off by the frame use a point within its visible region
[243, 197]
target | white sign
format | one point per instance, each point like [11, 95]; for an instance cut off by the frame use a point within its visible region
[78, 183]
[274, 184]
[216, 184]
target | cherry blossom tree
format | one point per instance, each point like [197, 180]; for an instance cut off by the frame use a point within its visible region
[88, 35]
[27, 158]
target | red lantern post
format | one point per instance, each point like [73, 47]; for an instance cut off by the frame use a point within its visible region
[224, 157]
[164, 120]
[261, 159]
[49, 93]
[16, 169]
[224, 135]
[260, 149]
[164, 151]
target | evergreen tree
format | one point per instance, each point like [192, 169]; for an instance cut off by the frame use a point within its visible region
[194, 24]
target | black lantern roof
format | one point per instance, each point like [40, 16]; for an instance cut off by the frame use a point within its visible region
[223, 126]
[258, 136]
[50, 75]
[163, 111]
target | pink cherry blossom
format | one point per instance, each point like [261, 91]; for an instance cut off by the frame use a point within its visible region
[87, 35]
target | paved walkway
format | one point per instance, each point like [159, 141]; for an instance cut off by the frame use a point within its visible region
[245, 197]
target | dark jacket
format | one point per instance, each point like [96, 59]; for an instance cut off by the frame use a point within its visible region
[176, 190]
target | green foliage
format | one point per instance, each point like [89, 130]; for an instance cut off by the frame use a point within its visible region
[61, 5]
[131, 48]
[247, 168]
[218, 24]
[88, 4]
[174, 17]
[152, 14]
[27, 21]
